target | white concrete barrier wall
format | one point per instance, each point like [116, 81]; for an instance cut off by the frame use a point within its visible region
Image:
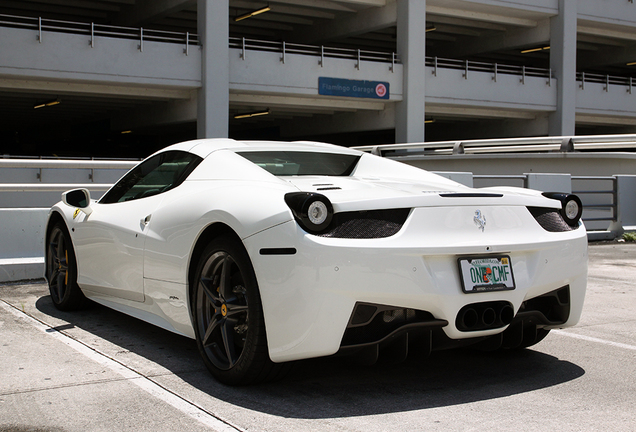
[28, 188]
[465, 178]
[550, 182]
[626, 198]
[22, 243]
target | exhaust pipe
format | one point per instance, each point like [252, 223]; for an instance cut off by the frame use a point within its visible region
[469, 318]
[488, 317]
[484, 316]
[506, 314]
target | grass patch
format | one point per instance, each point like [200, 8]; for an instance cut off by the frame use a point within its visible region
[629, 236]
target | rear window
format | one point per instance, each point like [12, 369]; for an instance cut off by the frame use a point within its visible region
[290, 163]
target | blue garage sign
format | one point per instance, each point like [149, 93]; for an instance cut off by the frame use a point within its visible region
[353, 88]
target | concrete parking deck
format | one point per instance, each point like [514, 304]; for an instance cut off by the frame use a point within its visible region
[99, 370]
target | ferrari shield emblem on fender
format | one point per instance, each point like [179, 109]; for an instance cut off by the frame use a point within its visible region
[480, 220]
[77, 212]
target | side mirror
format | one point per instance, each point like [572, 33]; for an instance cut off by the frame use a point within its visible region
[80, 198]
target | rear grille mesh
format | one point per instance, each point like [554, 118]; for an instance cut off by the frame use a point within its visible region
[367, 224]
[550, 219]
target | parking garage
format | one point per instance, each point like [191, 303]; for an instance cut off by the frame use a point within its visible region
[121, 78]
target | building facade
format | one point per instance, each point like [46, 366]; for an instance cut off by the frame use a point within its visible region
[125, 77]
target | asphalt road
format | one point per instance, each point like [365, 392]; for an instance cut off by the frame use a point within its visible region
[99, 370]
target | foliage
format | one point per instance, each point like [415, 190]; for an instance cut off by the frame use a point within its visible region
[630, 236]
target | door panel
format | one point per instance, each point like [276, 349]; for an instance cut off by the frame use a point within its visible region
[110, 247]
[110, 241]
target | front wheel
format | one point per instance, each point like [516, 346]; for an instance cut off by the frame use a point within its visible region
[229, 323]
[61, 270]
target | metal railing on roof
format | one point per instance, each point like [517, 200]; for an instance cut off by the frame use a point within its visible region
[507, 145]
[495, 68]
[53, 187]
[68, 163]
[69, 158]
[606, 80]
[245, 44]
[39, 166]
[323, 52]
[93, 30]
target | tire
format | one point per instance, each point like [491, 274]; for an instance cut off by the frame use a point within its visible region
[61, 270]
[229, 324]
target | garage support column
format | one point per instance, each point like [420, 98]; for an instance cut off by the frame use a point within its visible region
[214, 95]
[411, 47]
[563, 64]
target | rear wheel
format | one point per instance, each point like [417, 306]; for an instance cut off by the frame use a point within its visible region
[61, 270]
[229, 324]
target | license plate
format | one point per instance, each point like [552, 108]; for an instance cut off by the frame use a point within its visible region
[484, 274]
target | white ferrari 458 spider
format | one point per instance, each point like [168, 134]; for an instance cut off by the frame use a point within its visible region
[268, 252]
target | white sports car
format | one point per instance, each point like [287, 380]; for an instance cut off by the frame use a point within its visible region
[268, 252]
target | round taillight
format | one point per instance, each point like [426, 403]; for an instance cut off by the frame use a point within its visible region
[571, 206]
[572, 209]
[312, 211]
[317, 213]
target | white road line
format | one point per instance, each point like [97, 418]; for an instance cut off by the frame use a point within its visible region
[133, 376]
[593, 339]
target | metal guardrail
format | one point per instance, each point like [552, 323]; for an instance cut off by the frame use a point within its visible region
[494, 68]
[38, 185]
[606, 80]
[245, 44]
[52, 187]
[507, 145]
[603, 205]
[93, 30]
[67, 164]
[321, 51]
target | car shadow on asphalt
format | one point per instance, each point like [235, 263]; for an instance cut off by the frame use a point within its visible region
[334, 387]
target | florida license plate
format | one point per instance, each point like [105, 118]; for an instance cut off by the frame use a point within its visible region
[483, 274]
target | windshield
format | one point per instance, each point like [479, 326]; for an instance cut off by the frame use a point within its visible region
[290, 163]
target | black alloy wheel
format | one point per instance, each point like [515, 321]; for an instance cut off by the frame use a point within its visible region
[61, 270]
[229, 322]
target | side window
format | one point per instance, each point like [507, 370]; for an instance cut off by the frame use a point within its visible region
[158, 174]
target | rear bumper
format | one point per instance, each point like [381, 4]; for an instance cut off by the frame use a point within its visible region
[311, 286]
